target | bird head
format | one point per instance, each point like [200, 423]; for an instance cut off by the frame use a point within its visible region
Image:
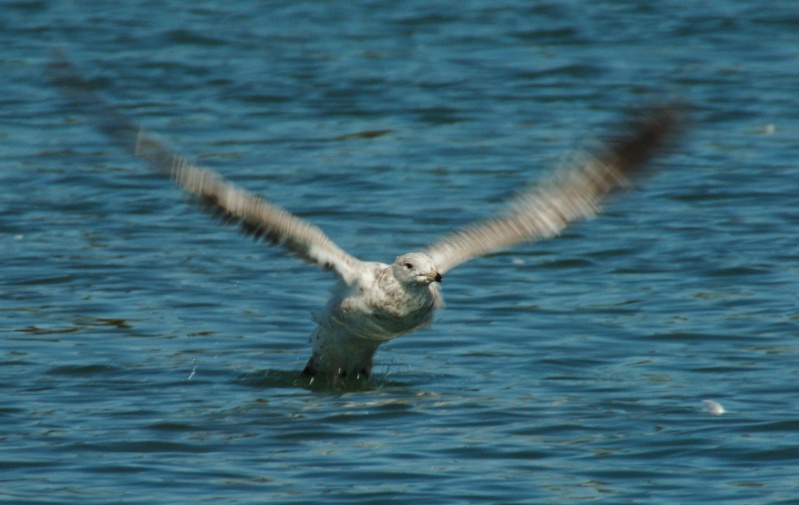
[415, 268]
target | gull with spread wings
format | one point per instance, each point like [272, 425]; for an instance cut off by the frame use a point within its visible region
[374, 302]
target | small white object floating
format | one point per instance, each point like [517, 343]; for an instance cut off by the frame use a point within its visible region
[713, 407]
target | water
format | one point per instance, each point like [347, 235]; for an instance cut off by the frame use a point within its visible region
[150, 355]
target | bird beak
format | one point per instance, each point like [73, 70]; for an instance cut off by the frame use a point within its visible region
[435, 276]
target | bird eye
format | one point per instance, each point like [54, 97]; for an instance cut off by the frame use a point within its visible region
[408, 266]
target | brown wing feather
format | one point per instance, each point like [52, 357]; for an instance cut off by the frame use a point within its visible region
[257, 217]
[570, 195]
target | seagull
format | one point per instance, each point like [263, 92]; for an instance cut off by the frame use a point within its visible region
[374, 302]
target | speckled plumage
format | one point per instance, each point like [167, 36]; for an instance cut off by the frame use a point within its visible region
[384, 302]
[375, 302]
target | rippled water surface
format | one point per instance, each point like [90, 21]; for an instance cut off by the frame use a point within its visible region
[151, 355]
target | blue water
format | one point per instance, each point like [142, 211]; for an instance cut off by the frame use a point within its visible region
[150, 355]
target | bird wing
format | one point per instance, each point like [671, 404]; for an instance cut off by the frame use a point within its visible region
[569, 195]
[255, 214]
